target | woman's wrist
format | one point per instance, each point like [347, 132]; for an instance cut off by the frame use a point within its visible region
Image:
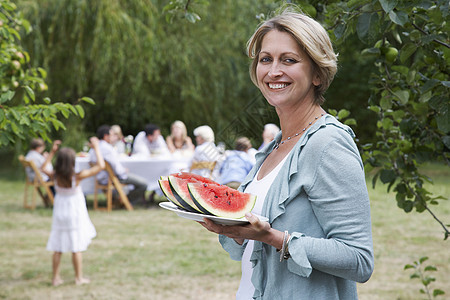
[274, 238]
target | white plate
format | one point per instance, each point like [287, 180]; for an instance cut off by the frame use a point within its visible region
[199, 217]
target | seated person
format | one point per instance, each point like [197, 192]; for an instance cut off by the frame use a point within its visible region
[117, 139]
[237, 164]
[37, 155]
[111, 156]
[205, 150]
[178, 140]
[269, 133]
[150, 142]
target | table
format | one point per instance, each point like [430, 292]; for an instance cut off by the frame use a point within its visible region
[150, 168]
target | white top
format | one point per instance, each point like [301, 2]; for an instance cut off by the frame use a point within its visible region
[112, 157]
[142, 146]
[258, 188]
[207, 152]
[38, 160]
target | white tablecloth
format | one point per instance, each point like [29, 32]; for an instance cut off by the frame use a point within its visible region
[149, 168]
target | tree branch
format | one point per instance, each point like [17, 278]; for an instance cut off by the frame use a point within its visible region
[426, 33]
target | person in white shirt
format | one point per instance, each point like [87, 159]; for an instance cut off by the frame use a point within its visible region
[150, 142]
[206, 150]
[112, 157]
[37, 155]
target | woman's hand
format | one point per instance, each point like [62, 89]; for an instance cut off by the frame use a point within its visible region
[256, 230]
[93, 142]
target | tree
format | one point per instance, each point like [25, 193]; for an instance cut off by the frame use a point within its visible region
[410, 90]
[22, 113]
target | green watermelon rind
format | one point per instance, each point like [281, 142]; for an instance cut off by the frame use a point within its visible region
[166, 193]
[234, 215]
[182, 199]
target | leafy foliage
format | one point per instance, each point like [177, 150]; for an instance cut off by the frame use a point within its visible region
[421, 272]
[408, 41]
[22, 113]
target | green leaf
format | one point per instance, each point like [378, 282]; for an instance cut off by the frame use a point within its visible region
[406, 51]
[7, 96]
[80, 110]
[408, 266]
[88, 100]
[399, 17]
[403, 96]
[367, 27]
[387, 176]
[430, 268]
[388, 5]
[423, 259]
[437, 292]
[29, 92]
[343, 113]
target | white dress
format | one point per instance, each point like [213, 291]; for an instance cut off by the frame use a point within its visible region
[72, 229]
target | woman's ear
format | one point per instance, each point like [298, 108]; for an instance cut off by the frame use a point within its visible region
[316, 80]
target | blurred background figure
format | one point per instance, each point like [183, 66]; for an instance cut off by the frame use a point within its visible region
[117, 139]
[269, 133]
[137, 194]
[205, 150]
[178, 141]
[37, 155]
[150, 142]
[237, 164]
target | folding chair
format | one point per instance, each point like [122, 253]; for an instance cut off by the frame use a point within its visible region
[37, 183]
[108, 188]
[201, 165]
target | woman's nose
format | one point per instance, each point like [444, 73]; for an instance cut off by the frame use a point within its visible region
[275, 70]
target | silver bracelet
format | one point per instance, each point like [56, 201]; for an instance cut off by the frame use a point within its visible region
[286, 250]
[283, 247]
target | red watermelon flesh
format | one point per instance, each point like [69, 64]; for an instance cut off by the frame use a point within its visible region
[178, 184]
[165, 188]
[192, 177]
[220, 200]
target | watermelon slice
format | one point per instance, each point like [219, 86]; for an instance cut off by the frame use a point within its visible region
[220, 200]
[167, 191]
[178, 184]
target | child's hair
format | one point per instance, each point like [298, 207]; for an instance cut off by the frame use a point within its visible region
[65, 166]
[36, 143]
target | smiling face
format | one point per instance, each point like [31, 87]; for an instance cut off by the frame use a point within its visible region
[285, 73]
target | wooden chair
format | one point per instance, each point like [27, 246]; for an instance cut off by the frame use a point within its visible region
[200, 165]
[37, 183]
[112, 184]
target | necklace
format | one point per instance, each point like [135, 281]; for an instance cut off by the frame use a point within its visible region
[277, 145]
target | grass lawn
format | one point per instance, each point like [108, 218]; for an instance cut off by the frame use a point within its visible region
[154, 254]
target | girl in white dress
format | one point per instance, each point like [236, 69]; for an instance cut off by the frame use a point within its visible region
[72, 229]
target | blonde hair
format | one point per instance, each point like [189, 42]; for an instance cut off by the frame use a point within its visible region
[117, 130]
[310, 36]
[205, 132]
[180, 125]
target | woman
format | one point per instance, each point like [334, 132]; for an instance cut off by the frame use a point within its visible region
[178, 140]
[117, 139]
[309, 181]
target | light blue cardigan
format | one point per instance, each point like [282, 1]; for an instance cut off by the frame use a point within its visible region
[320, 197]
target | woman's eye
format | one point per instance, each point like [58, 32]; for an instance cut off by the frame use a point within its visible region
[264, 59]
[290, 60]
